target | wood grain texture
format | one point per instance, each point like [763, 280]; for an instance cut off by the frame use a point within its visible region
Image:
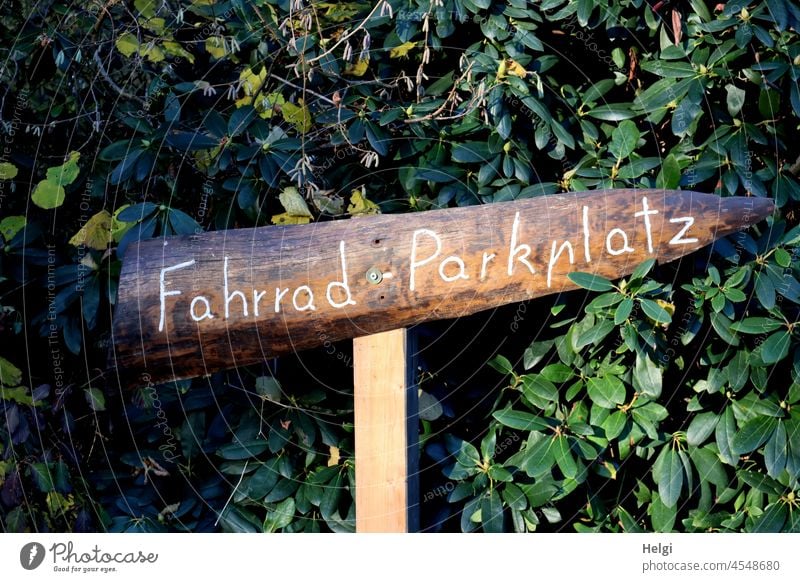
[381, 373]
[459, 259]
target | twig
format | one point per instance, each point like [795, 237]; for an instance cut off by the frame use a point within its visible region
[111, 82]
[347, 36]
[450, 97]
[224, 507]
[304, 89]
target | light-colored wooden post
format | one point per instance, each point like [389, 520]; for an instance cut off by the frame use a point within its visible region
[385, 433]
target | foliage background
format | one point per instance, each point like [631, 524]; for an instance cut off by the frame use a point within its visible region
[668, 401]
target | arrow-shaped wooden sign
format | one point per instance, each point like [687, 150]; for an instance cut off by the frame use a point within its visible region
[188, 306]
[191, 305]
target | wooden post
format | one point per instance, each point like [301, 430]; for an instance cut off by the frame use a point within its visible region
[386, 432]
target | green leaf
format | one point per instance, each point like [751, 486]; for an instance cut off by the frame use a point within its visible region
[773, 518]
[642, 269]
[238, 451]
[20, 395]
[535, 353]
[724, 434]
[263, 480]
[753, 434]
[48, 195]
[662, 516]
[670, 175]
[492, 512]
[612, 112]
[655, 312]
[293, 203]
[735, 99]
[647, 377]
[501, 364]
[538, 455]
[606, 391]
[669, 69]
[65, 174]
[330, 498]
[701, 428]
[614, 424]
[541, 492]
[623, 311]
[757, 325]
[519, 420]
[42, 476]
[709, 469]
[95, 399]
[536, 386]
[782, 257]
[279, 517]
[558, 373]
[590, 281]
[624, 139]
[776, 451]
[127, 44]
[268, 387]
[10, 375]
[298, 115]
[670, 477]
[236, 520]
[564, 459]
[514, 497]
[11, 225]
[471, 152]
[96, 233]
[594, 335]
[775, 347]
[8, 171]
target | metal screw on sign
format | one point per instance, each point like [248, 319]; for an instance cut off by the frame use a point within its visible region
[374, 275]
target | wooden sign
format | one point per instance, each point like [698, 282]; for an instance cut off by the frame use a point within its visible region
[191, 305]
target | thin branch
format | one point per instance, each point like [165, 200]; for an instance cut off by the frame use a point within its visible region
[111, 82]
[224, 507]
[304, 89]
[347, 36]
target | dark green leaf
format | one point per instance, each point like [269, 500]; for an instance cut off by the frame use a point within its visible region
[242, 450]
[492, 512]
[701, 428]
[564, 459]
[623, 311]
[776, 451]
[756, 325]
[236, 520]
[655, 312]
[775, 347]
[606, 391]
[535, 353]
[670, 477]
[662, 516]
[590, 281]
[538, 455]
[647, 377]
[501, 364]
[536, 386]
[612, 112]
[624, 139]
[519, 420]
[773, 518]
[280, 516]
[753, 434]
